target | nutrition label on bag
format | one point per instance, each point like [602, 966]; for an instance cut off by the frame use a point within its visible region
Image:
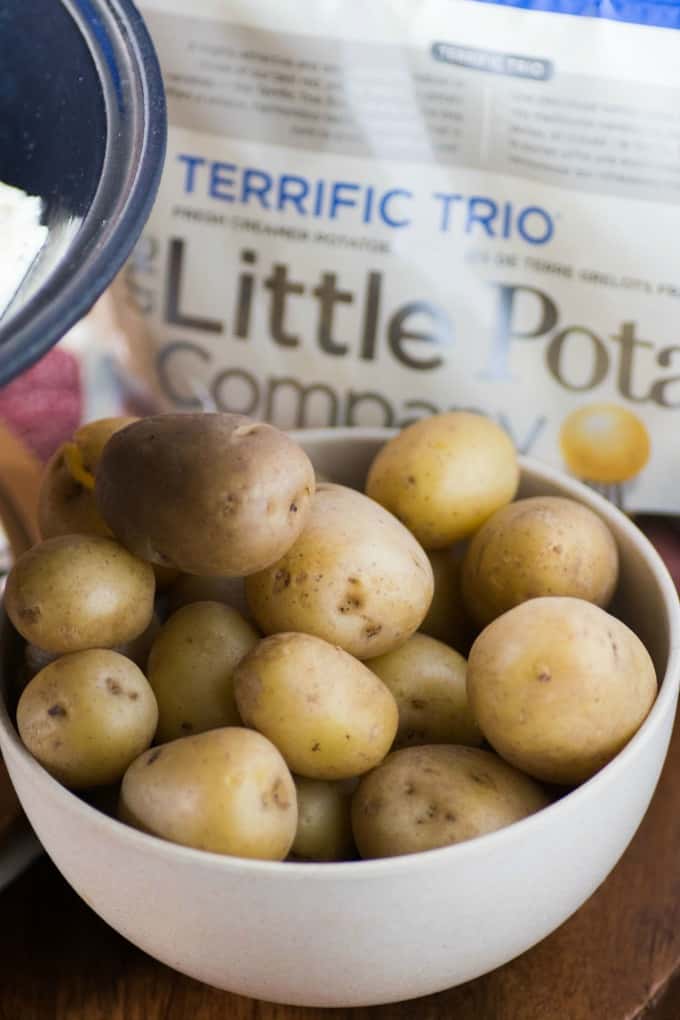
[379, 101]
[366, 218]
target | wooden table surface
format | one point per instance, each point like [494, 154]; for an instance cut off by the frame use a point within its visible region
[618, 958]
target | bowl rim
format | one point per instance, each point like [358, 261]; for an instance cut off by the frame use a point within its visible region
[388, 867]
[70, 290]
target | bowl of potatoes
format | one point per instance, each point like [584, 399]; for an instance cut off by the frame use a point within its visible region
[337, 717]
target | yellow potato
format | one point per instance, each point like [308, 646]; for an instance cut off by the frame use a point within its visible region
[209, 494]
[444, 476]
[422, 798]
[354, 577]
[546, 545]
[324, 829]
[79, 591]
[191, 668]
[446, 619]
[66, 504]
[328, 714]
[427, 679]
[559, 686]
[86, 716]
[228, 791]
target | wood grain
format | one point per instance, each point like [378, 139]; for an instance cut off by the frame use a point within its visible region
[614, 960]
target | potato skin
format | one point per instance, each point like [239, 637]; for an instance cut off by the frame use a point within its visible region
[227, 791]
[79, 591]
[328, 714]
[324, 829]
[86, 716]
[422, 798]
[546, 545]
[559, 686]
[354, 577]
[212, 494]
[191, 668]
[446, 618]
[427, 679]
[445, 475]
[66, 505]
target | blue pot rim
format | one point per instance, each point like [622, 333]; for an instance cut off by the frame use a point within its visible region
[66, 295]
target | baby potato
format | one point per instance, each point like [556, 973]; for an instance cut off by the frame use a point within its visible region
[324, 829]
[422, 798]
[86, 716]
[546, 545]
[66, 504]
[209, 494]
[354, 577]
[228, 791]
[445, 475]
[446, 619]
[558, 687]
[79, 591]
[191, 668]
[427, 679]
[189, 588]
[328, 714]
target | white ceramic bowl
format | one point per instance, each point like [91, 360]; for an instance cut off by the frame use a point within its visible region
[372, 931]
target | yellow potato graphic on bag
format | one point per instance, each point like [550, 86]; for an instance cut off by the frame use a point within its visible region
[606, 445]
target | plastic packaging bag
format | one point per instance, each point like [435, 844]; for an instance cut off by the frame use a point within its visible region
[374, 212]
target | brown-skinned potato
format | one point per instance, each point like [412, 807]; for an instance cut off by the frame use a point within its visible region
[209, 494]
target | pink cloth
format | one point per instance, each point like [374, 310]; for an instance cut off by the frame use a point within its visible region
[44, 406]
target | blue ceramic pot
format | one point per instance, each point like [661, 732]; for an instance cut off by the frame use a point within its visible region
[83, 125]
